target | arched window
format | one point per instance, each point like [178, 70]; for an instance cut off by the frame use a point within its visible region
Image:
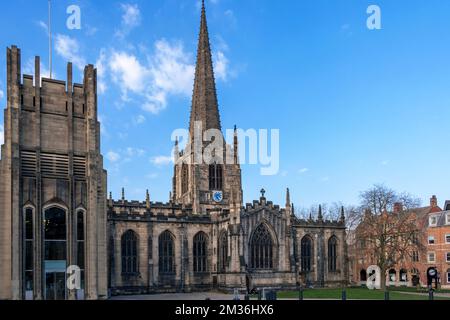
[184, 178]
[29, 254]
[306, 253]
[80, 244]
[223, 251]
[261, 249]
[215, 177]
[403, 275]
[111, 260]
[332, 254]
[200, 252]
[130, 253]
[392, 275]
[363, 275]
[166, 253]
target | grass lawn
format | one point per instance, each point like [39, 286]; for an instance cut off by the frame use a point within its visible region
[352, 293]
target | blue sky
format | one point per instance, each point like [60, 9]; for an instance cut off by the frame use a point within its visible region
[354, 106]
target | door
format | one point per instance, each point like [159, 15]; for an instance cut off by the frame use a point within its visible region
[55, 286]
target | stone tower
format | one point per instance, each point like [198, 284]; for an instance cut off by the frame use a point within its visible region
[207, 174]
[52, 187]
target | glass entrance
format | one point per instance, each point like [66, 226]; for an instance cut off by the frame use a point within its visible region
[55, 286]
[55, 248]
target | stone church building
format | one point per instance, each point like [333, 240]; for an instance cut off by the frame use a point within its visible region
[55, 213]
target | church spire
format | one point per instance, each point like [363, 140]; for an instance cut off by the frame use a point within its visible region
[204, 99]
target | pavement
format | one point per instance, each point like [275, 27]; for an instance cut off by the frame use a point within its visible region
[181, 296]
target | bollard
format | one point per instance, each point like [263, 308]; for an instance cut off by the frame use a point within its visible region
[431, 295]
[259, 295]
[386, 295]
[300, 294]
[344, 295]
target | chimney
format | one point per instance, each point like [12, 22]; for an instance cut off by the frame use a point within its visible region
[433, 201]
[398, 207]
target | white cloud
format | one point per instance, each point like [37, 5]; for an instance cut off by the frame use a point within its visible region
[69, 48]
[132, 152]
[43, 25]
[2, 135]
[131, 15]
[45, 72]
[303, 170]
[113, 156]
[100, 65]
[131, 18]
[221, 66]
[161, 160]
[140, 119]
[152, 176]
[128, 73]
[1, 94]
[168, 72]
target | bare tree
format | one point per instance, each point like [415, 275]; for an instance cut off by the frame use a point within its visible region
[389, 228]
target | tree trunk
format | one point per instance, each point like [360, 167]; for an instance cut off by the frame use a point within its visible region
[383, 278]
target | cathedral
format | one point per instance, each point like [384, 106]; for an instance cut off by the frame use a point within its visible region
[55, 212]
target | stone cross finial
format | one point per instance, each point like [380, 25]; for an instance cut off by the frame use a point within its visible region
[263, 192]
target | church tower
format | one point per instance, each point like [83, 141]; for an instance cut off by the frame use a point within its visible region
[207, 174]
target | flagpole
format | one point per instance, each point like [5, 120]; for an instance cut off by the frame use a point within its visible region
[50, 36]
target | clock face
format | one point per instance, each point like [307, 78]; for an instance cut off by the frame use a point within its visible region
[217, 196]
[432, 272]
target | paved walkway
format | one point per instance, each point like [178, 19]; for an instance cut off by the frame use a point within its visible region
[438, 295]
[180, 296]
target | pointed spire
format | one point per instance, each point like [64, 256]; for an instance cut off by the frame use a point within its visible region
[123, 194]
[204, 99]
[176, 151]
[288, 198]
[342, 214]
[320, 216]
[147, 199]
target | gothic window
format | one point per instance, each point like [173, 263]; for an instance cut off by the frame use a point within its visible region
[166, 253]
[332, 254]
[184, 178]
[215, 177]
[261, 249]
[111, 260]
[223, 251]
[306, 253]
[200, 252]
[29, 237]
[80, 244]
[363, 275]
[129, 253]
[403, 275]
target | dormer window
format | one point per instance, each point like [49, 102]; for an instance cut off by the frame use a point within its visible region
[447, 218]
[432, 221]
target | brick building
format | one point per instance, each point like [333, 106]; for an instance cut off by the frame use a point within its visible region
[438, 244]
[431, 250]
